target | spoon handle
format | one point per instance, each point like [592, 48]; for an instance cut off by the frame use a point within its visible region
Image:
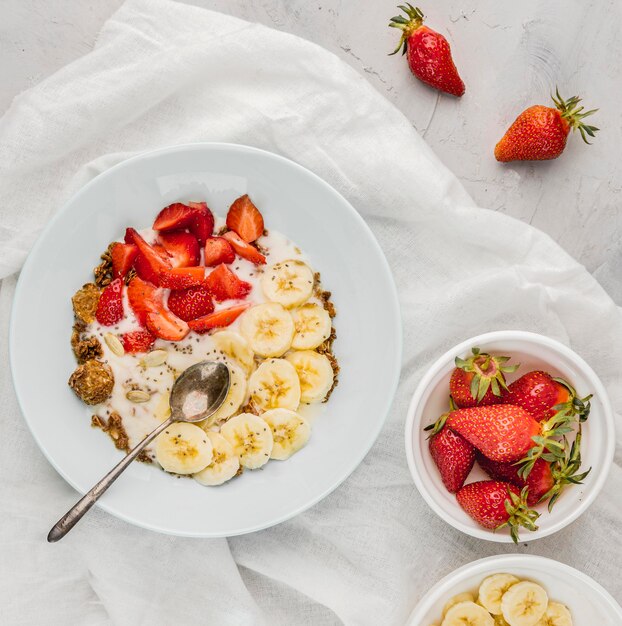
[75, 513]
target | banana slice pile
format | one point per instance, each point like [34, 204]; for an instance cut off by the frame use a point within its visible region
[274, 367]
[505, 600]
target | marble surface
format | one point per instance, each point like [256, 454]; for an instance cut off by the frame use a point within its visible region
[510, 55]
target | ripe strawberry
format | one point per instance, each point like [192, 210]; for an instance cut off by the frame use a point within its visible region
[245, 219]
[144, 298]
[495, 504]
[182, 247]
[225, 285]
[428, 52]
[144, 269]
[110, 305]
[188, 304]
[503, 432]
[182, 277]
[218, 250]
[202, 222]
[123, 255]
[173, 217]
[245, 250]
[219, 319]
[542, 395]
[137, 341]
[539, 133]
[454, 456]
[166, 325]
[153, 260]
[479, 379]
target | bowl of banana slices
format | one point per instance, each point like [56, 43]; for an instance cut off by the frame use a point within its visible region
[247, 263]
[516, 590]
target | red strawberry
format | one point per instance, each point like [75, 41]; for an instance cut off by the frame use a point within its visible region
[110, 305]
[539, 133]
[245, 250]
[503, 432]
[182, 277]
[225, 285]
[137, 341]
[165, 325]
[454, 456]
[144, 298]
[479, 379]
[542, 395]
[494, 504]
[154, 261]
[188, 304]
[202, 222]
[143, 267]
[123, 255]
[428, 52]
[182, 247]
[218, 250]
[219, 319]
[245, 219]
[173, 217]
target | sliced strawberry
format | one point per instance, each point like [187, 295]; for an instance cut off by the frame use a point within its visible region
[182, 277]
[218, 250]
[151, 262]
[165, 325]
[225, 285]
[220, 319]
[110, 305]
[245, 219]
[123, 255]
[245, 250]
[202, 222]
[144, 298]
[188, 304]
[137, 341]
[182, 247]
[174, 216]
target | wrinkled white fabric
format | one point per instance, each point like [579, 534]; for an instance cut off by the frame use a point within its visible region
[162, 74]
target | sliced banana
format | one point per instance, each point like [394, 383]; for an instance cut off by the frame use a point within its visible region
[268, 328]
[492, 589]
[225, 463]
[235, 347]
[467, 614]
[274, 385]
[313, 326]
[556, 614]
[183, 449]
[524, 604]
[289, 283]
[315, 373]
[233, 401]
[251, 439]
[500, 621]
[290, 432]
[461, 597]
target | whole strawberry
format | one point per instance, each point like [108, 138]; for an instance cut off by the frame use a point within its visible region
[428, 52]
[542, 395]
[479, 379]
[454, 456]
[494, 504]
[539, 133]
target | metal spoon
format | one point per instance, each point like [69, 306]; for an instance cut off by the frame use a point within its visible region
[207, 377]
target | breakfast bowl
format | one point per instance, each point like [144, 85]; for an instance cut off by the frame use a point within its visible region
[587, 602]
[533, 352]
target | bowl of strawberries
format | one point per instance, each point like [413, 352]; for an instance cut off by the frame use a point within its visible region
[510, 436]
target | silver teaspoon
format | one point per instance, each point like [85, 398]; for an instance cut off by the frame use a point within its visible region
[196, 394]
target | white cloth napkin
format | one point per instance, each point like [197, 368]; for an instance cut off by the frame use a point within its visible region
[164, 73]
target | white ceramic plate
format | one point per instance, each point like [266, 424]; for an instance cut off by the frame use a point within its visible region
[532, 351]
[589, 603]
[294, 201]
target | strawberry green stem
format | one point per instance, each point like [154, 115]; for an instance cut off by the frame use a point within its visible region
[407, 26]
[573, 114]
[519, 514]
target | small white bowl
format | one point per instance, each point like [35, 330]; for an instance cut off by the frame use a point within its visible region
[588, 602]
[532, 351]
